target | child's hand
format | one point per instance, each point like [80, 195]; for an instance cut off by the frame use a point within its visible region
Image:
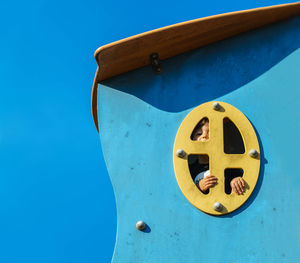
[237, 185]
[207, 182]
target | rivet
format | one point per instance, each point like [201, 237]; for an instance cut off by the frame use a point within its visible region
[218, 206]
[140, 225]
[216, 106]
[180, 153]
[253, 153]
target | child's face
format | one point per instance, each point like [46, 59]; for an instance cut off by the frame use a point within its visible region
[202, 134]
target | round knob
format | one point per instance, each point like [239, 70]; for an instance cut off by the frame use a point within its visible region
[140, 225]
[253, 153]
[180, 153]
[216, 106]
[218, 206]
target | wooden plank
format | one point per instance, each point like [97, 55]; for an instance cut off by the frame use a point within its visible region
[133, 52]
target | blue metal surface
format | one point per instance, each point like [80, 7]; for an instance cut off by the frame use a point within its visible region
[139, 114]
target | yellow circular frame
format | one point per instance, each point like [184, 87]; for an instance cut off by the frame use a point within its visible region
[218, 160]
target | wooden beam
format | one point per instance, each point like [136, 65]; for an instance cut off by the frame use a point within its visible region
[134, 52]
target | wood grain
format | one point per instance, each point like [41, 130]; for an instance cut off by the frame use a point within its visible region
[133, 52]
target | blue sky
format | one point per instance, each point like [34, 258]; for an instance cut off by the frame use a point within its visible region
[57, 203]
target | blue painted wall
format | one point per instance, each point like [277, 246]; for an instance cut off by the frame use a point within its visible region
[139, 114]
[57, 202]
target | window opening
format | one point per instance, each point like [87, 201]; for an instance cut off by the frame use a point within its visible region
[227, 125]
[199, 169]
[233, 141]
[231, 173]
[201, 131]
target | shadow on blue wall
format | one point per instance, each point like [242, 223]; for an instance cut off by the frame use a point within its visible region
[147, 229]
[195, 77]
[205, 74]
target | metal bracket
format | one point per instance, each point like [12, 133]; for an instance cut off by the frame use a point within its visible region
[156, 66]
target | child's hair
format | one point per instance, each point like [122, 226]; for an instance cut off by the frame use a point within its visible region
[199, 126]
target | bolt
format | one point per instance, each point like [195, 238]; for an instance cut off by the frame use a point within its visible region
[253, 153]
[216, 106]
[180, 153]
[218, 206]
[140, 225]
[154, 56]
[158, 70]
[155, 62]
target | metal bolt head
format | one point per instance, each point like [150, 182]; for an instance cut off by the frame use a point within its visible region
[216, 106]
[140, 225]
[154, 56]
[158, 69]
[253, 153]
[218, 206]
[180, 153]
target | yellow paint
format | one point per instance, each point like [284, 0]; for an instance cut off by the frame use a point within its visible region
[218, 160]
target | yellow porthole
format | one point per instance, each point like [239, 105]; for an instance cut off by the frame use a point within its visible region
[216, 202]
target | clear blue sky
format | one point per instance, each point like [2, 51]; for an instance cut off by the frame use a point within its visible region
[57, 203]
